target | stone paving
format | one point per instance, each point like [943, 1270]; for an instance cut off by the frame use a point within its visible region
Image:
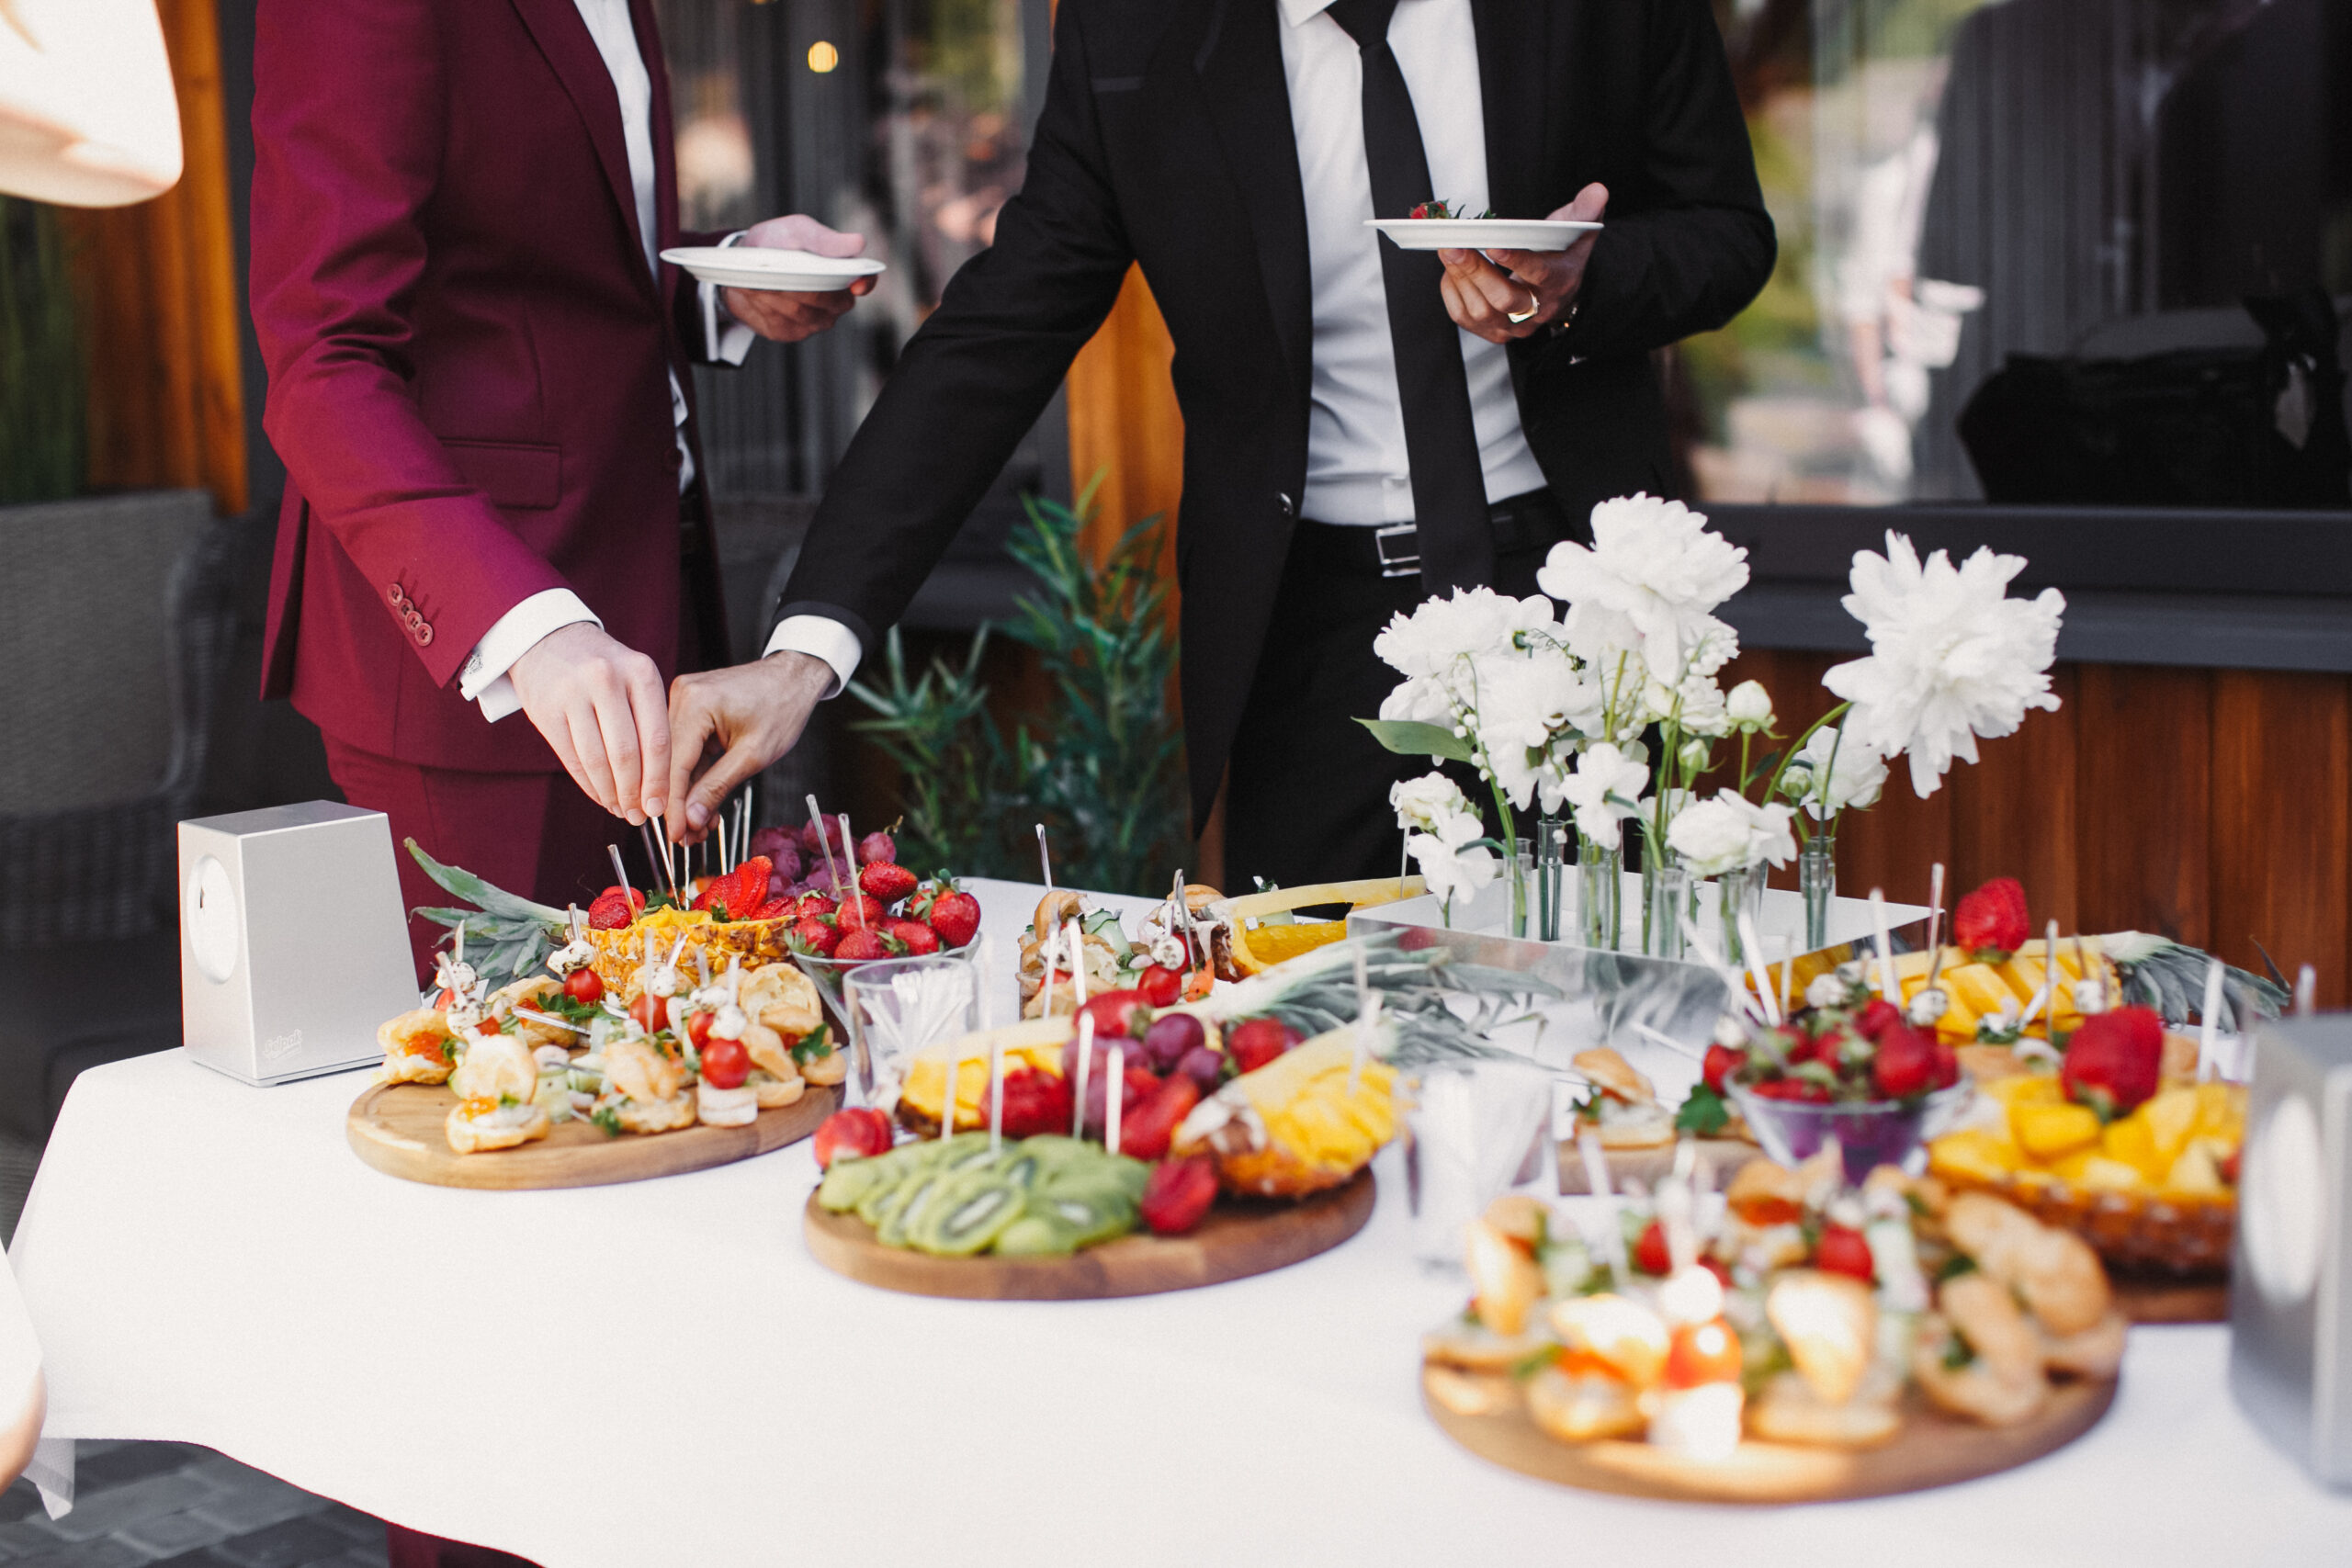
[177, 1506]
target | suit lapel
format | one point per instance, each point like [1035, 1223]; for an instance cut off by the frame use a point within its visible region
[1238, 55]
[1514, 50]
[556, 25]
[665, 162]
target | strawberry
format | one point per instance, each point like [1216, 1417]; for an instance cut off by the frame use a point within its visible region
[862, 912]
[613, 911]
[865, 946]
[1904, 1064]
[1253, 1044]
[1946, 1070]
[886, 881]
[1145, 1132]
[1720, 1062]
[1036, 1101]
[1877, 1016]
[816, 936]
[851, 1134]
[814, 904]
[774, 910]
[1177, 1193]
[1991, 923]
[2112, 1061]
[1116, 1014]
[877, 849]
[920, 939]
[1844, 1250]
[1799, 1089]
[953, 913]
[1651, 1254]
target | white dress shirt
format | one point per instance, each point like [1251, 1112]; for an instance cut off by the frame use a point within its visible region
[1357, 470]
[485, 681]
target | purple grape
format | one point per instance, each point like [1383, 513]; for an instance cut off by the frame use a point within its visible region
[774, 842]
[1203, 1066]
[1171, 1036]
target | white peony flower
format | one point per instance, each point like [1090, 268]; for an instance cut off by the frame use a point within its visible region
[1449, 863]
[1858, 775]
[1422, 803]
[1648, 583]
[1704, 711]
[1440, 631]
[1730, 832]
[1602, 790]
[1749, 707]
[1422, 700]
[1953, 657]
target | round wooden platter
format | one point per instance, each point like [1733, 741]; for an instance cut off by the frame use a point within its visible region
[1931, 1449]
[2146, 1298]
[397, 1128]
[1241, 1237]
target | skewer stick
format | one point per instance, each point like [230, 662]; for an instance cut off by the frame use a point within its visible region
[1367, 1012]
[1085, 1061]
[1595, 1179]
[996, 1092]
[2306, 990]
[1045, 858]
[1696, 941]
[1753, 948]
[652, 865]
[1936, 924]
[537, 1017]
[1659, 1037]
[1115, 1097]
[1788, 968]
[947, 1100]
[725, 863]
[2208, 1027]
[1077, 930]
[1889, 992]
[849, 859]
[628, 893]
[825, 846]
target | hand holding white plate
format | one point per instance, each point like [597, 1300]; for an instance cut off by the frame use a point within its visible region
[1481, 233]
[757, 266]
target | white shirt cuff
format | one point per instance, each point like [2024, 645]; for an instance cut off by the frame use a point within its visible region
[484, 682]
[725, 340]
[819, 637]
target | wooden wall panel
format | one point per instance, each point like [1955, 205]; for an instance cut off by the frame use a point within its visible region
[2013, 813]
[2144, 799]
[2282, 822]
[162, 303]
[1124, 422]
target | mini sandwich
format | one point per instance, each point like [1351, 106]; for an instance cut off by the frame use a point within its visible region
[1623, 1104]
[497, 1090]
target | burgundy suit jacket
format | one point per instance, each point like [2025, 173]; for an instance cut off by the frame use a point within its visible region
[468, 359]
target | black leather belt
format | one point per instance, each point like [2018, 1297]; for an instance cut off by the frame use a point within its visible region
[1529, 522]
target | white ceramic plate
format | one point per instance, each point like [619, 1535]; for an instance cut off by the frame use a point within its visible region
[1480, 234]
[756, 266]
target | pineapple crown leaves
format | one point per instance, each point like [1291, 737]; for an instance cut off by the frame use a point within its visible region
[507, 936]
[2170, 977]
[1316, 992]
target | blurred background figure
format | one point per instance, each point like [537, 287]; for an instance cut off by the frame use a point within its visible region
[87, 117]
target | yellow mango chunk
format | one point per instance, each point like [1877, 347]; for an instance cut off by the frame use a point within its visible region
[1975, 1155]
[2129, 1142]
[2069, 1169]
[2022, 976]
[2170, 1118]
[2028, 1089]
[2221, 1111]
[2099, 1174]
[2050, 1132]
[2195, 1174]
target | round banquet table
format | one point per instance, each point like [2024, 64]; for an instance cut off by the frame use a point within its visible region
[659, 1373]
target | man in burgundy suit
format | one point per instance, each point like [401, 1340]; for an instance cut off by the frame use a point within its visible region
[479, 381]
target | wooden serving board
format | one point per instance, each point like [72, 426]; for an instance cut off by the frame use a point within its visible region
[2147, 1298]
[397, 1128]
[1932, 1450]
[1723, 1156]
[1241, 1237]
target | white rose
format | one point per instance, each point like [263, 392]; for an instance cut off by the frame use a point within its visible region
[1424, 802]
[1749, 707]
[1602, 791]
[1858, 775]
[1711, 837]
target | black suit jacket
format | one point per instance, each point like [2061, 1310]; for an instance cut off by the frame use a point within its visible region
[1165, 140]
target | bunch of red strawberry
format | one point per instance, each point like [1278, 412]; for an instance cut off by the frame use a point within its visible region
[1824, 1054]
[1991, 923]
[892, 913]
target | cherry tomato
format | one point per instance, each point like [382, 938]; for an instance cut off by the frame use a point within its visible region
[1161, 985]
[649, 1012]
[584, 986]
[1843, 1250]
[1651, 1254]
[1702, 1353]
[699, 1030]
[725, 1062]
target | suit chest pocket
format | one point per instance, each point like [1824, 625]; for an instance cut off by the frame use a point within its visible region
[524, 476]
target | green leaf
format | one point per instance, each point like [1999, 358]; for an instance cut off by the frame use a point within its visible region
[1409, 738]
[1703, 1114]
[474, 890]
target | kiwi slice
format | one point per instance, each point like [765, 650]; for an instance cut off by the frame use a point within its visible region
[1089, 1218]
[967, 1214]
[908, 1213]
[851, 1179]
[1037, 1236]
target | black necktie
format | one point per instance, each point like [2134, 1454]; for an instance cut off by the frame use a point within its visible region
[1441, 442]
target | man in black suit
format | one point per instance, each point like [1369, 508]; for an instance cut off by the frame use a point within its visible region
[1364, 425]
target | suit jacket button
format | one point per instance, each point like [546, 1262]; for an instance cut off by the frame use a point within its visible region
[425, 634]
[398, 595]
[1290, 507]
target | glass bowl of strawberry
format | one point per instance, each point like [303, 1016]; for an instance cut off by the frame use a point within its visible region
[1859, 1074]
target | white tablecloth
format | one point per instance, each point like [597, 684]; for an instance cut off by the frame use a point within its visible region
[658, 1373]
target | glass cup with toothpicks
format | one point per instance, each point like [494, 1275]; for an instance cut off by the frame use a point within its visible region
[897, 1007]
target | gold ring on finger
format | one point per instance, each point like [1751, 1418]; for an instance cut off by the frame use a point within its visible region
[1521, 317]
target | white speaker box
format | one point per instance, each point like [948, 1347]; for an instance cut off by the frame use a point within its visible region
[293, 943]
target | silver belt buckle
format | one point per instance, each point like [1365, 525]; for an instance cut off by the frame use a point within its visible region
[1397, 566]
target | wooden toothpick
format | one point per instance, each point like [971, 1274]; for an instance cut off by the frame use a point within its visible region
[1045, 858]
[825, 848]
[1085, 1060]
[1753, 950]
[2209, 1028]
[1889, 992]
[1115, 1095]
